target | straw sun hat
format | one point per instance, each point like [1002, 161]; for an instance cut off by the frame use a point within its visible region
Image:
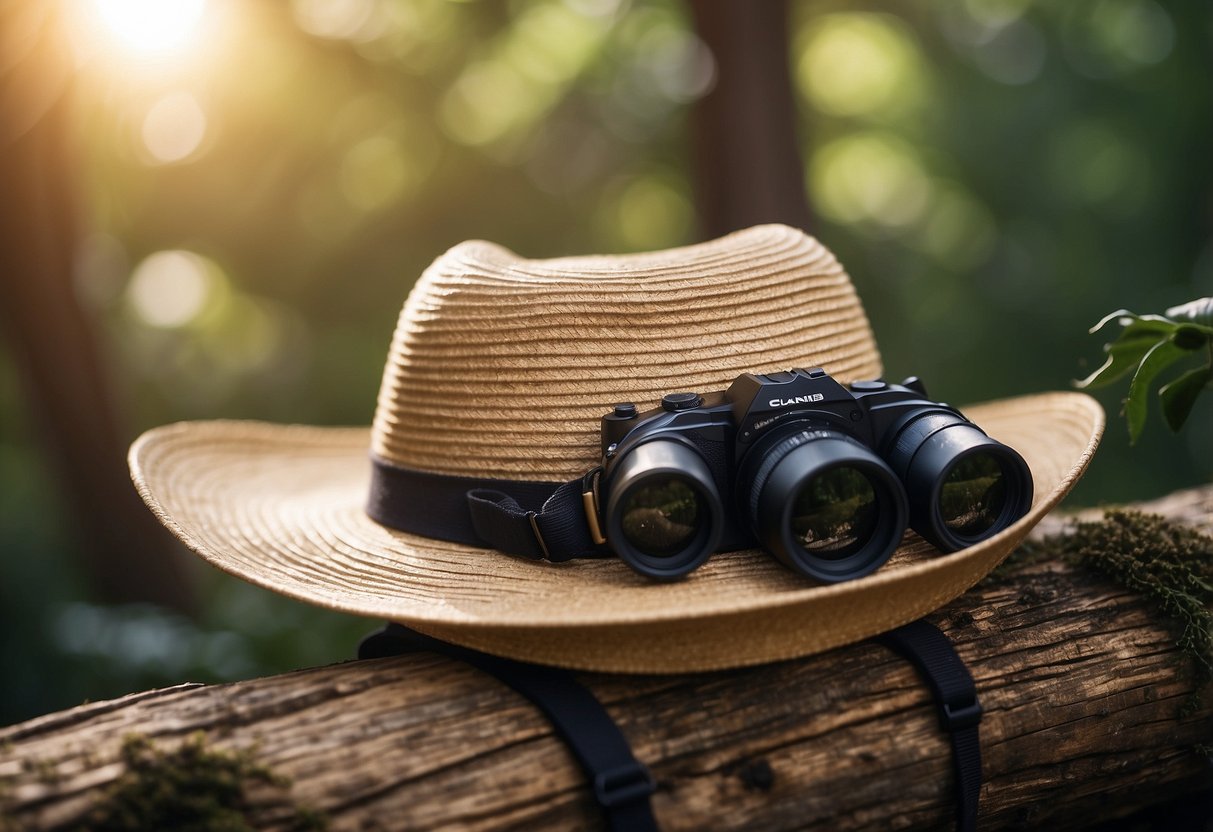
[502, 367]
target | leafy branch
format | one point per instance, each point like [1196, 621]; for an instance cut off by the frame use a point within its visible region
[1150, 344]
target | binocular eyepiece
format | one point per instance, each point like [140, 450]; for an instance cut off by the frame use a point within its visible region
[824, 477]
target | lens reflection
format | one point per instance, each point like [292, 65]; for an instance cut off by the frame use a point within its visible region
[661, 517]
[973, 494]
[835, 513]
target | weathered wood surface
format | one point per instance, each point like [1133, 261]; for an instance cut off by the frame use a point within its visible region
[1080, 683]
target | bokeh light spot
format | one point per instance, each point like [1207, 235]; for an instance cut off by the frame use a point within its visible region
[170, 288]
[869, 176]
[1116, 37]
[1139, 31]
[1094, 163]
[501, 96]
[484, 103]
[549, 43]
[680, 64]
[335, 19]
[152, 25]
[858, 63]
[173, 128]
[652, 214]
[594, 8]
[994, 14]
[1014, 55]
[958, 231]
[374, 173]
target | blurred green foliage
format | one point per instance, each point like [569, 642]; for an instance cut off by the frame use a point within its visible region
[995, 175]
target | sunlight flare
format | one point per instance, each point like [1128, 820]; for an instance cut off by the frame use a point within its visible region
[152, 25]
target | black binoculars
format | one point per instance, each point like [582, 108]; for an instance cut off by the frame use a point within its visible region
[824, 477]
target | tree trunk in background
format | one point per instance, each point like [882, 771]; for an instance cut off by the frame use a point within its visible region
[747, 165]
[1081, 681]
[128, 556]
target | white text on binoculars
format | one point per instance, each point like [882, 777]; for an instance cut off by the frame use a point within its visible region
[814, 397]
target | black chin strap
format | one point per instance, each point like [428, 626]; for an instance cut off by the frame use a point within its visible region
[540, 520]
[955, 694]
[622, 785]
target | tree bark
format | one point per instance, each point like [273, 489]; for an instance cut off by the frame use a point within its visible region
[747, 166]
[1081, 683]
[127, 555]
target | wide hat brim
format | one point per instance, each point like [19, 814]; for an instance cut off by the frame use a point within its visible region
[282, 507]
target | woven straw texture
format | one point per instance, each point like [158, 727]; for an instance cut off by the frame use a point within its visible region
[502, 367]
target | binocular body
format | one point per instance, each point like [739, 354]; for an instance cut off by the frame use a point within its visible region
[824, 477]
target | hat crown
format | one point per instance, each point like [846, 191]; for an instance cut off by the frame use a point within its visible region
[502, 366]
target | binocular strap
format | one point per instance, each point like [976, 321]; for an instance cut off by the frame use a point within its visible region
[622, 784]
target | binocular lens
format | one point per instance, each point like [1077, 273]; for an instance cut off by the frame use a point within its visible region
[662, 516]
[973, 495]
[663, 513]
[824, 504]
[963, 485]
[835, 513]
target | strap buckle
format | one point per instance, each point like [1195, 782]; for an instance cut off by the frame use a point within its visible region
[589, 499]
[543, 546]
[957, 716]
[626, 784]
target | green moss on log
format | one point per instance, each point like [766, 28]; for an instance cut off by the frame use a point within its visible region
[1170, 564]
[190, 788]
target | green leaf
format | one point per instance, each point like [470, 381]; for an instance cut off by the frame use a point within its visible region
[1135, 324]
[1145, 325]
[1179, 396]
[1160, 356]
[1122, 315]
[1199, 311]
[1123, 355]
[1190, 336]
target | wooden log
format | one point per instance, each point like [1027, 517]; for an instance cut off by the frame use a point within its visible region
[1081, 681]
